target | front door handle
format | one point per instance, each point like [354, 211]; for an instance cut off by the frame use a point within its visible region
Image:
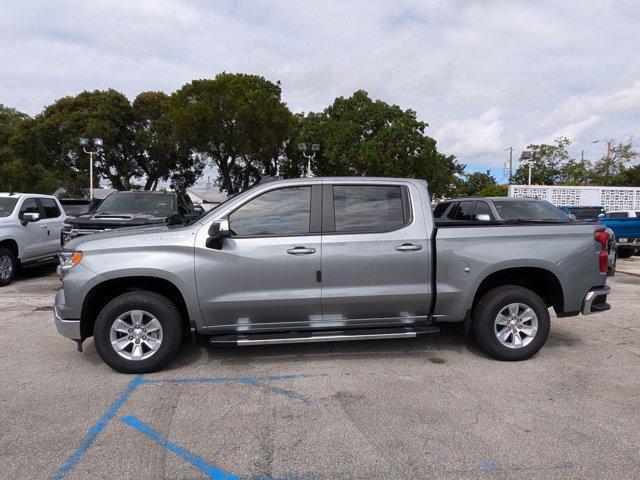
[408, 247]
[301, 251]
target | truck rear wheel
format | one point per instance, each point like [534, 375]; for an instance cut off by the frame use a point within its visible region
[7, 266]
[511, 323]
[138, 332]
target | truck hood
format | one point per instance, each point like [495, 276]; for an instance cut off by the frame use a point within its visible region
[133, 237]
[116, 220]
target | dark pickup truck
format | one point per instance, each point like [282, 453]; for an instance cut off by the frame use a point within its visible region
[133, 209]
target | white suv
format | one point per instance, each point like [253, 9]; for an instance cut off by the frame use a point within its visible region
[30, 227]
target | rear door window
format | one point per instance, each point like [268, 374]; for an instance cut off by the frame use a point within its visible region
[369, 208]
[465, 211]
[50, 207]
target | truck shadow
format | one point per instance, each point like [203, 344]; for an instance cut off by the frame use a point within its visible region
[435, 349]
[431, 348]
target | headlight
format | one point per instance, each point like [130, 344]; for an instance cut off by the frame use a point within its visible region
[69, 259]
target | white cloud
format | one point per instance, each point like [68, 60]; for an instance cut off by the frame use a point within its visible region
[484, 75]
[473, 137]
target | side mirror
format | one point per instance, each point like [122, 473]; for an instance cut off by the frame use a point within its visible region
[483, 217]
[197, 210]
[572, 217]
[218, 231]
[30, 217]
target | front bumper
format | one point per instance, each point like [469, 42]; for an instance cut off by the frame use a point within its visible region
[628, 243]
[595, 301]
[66, 327]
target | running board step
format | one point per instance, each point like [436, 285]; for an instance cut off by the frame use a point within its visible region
[278, 338]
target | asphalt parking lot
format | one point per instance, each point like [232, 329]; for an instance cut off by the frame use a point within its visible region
[433, 407]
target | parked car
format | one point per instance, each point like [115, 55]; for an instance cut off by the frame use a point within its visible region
[510, 210]
[626, 228]
[326, 259]
[133, 209]
[622, 214]
[30, 228]
[78, 206]
[497, 209]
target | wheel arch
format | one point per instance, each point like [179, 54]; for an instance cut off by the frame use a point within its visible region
[102, 293]
[12, 245]
[540, 280]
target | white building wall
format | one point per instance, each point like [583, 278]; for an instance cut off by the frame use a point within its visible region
[611, 198]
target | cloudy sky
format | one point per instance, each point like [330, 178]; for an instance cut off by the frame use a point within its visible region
[484, 75]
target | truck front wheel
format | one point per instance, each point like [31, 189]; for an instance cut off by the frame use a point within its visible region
[511, 323]
[138, 332]
[7, 266]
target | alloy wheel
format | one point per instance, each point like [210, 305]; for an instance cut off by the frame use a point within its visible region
[136, 335]
[516, 325]
[6, 267]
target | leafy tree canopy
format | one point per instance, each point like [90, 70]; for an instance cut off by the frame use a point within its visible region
[237, 121]
[360, 136]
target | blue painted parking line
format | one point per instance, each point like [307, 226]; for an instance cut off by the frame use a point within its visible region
[141, 380]
[97, 428]
[210, 470]
[249, 381]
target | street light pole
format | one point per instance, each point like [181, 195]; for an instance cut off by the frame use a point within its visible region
[314, 148]
[97, 143]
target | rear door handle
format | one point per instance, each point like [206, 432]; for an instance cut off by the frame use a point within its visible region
[408, 247]
[301, 251]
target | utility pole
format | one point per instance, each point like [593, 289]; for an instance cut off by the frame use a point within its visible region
[607, 160]
[510, 164]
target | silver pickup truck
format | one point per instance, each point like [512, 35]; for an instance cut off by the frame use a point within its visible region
[30, 226]
[327, 259]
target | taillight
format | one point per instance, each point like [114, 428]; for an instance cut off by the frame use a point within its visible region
[602, 237]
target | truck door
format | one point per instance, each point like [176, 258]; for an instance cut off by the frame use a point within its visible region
[376, 254]
[51, 223]
[267, 273]
[31, 234]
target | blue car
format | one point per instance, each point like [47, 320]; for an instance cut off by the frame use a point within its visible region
[626, 229]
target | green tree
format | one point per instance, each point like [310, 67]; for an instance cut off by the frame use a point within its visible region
[629, 177]
[477, 182]
[493, 191]
[158, 155]
[547, 162]
[237, 121]
[360, 136]
[53, 137]
[15, 173]
[609, 170]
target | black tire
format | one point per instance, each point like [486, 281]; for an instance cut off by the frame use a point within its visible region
[161, 308]
[491, 304]
[6, 254]
[624, 253]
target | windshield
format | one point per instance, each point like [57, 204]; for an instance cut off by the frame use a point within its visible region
[529, 210]
[127, 202]
[7, 205]
[584, 213]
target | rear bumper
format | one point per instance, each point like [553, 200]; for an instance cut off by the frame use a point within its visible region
[66, 327]
[595, 301]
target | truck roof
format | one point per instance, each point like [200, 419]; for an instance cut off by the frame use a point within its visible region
[18, 195]
[528, 199]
